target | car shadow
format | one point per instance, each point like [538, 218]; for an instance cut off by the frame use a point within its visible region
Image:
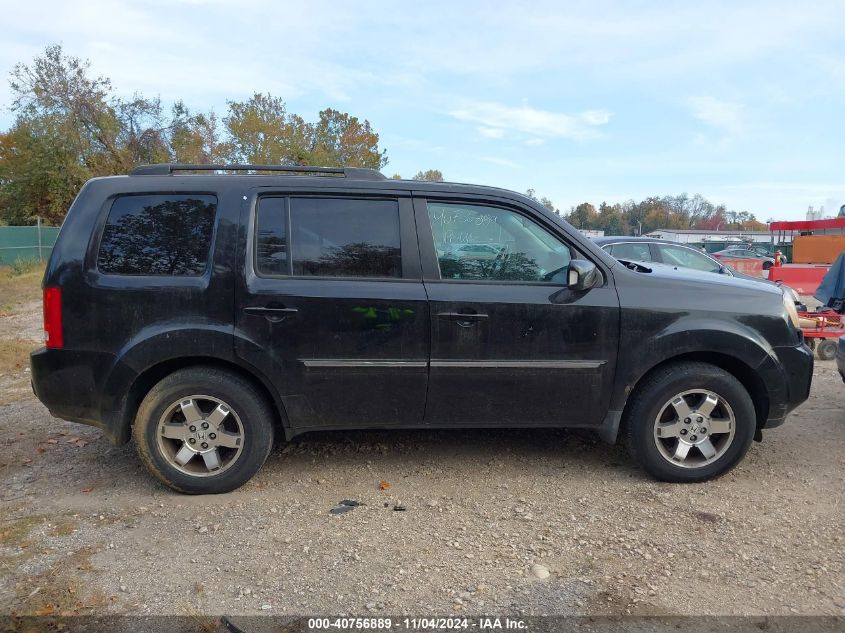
[457, 452]
[91, 468]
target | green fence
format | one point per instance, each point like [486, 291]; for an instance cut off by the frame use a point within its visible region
[26, 243]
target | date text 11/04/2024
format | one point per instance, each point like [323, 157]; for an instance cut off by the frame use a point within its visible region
[418, 624]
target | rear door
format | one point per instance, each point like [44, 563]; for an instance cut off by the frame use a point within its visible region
[332, 308]
[511, 344]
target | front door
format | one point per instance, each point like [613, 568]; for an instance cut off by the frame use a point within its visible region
[332, 308]
[511, 344]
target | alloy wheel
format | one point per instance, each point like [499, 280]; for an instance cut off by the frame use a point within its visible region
[200, 435]
[694, 428]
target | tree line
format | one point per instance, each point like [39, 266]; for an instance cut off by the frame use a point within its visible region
[656, 212]
[70, 126]
[666, 212]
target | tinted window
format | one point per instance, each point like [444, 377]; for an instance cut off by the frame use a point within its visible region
[485, 243]
[345, 238]
[688, 258]
[271, 237]
[636, 252]
[158, 235]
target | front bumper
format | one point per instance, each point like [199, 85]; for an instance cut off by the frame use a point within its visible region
[788, 379]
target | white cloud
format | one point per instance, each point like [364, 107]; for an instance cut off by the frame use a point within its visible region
[727, 116]
[596, 117]
[182, 57]
[491, 132]
[531, 121]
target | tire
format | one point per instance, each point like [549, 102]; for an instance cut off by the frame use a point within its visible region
[826, 349]
[656, 422]
[237, 440]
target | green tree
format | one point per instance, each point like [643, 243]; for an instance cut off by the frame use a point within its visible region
[611, 219]
[429, 175]
[196, 138]
[69, 126]
[39, 172]
[261, 131]
[583, 216]
[111, 135]
[546, 202]
[339, 139]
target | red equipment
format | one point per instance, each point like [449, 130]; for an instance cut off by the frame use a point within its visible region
[813, 250]
[823, 334]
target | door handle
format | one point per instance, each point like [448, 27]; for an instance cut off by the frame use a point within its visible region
[270, 313]
[464, 319]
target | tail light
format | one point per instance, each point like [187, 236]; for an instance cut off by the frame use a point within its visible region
[53, 317]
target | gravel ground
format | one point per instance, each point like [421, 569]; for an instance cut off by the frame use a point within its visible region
[24, 323]
[522, 522]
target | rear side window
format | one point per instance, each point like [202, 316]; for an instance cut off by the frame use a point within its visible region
[336, 237]
[161, 235]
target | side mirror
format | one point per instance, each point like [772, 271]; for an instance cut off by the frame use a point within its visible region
[582, 275]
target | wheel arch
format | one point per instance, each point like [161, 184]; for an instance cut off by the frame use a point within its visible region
[744, 373]
[121, 425]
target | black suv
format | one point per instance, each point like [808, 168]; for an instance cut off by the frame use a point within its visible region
[208, 309]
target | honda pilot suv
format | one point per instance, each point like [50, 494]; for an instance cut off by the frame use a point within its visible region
[207, 310]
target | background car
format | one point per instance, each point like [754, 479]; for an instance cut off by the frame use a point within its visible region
[649, 249]
[744, 252]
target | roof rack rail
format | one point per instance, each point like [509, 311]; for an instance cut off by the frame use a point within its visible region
[167, 169]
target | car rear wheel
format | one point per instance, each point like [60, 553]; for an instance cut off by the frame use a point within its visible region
[690, 422]
[203, 430]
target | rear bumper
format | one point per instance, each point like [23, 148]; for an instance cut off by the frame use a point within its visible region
[840, 357]
[788, 380]
[69, 383]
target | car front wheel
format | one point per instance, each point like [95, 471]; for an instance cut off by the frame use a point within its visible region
[690, 422]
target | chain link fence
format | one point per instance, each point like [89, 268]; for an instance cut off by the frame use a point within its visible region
[26, 243]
